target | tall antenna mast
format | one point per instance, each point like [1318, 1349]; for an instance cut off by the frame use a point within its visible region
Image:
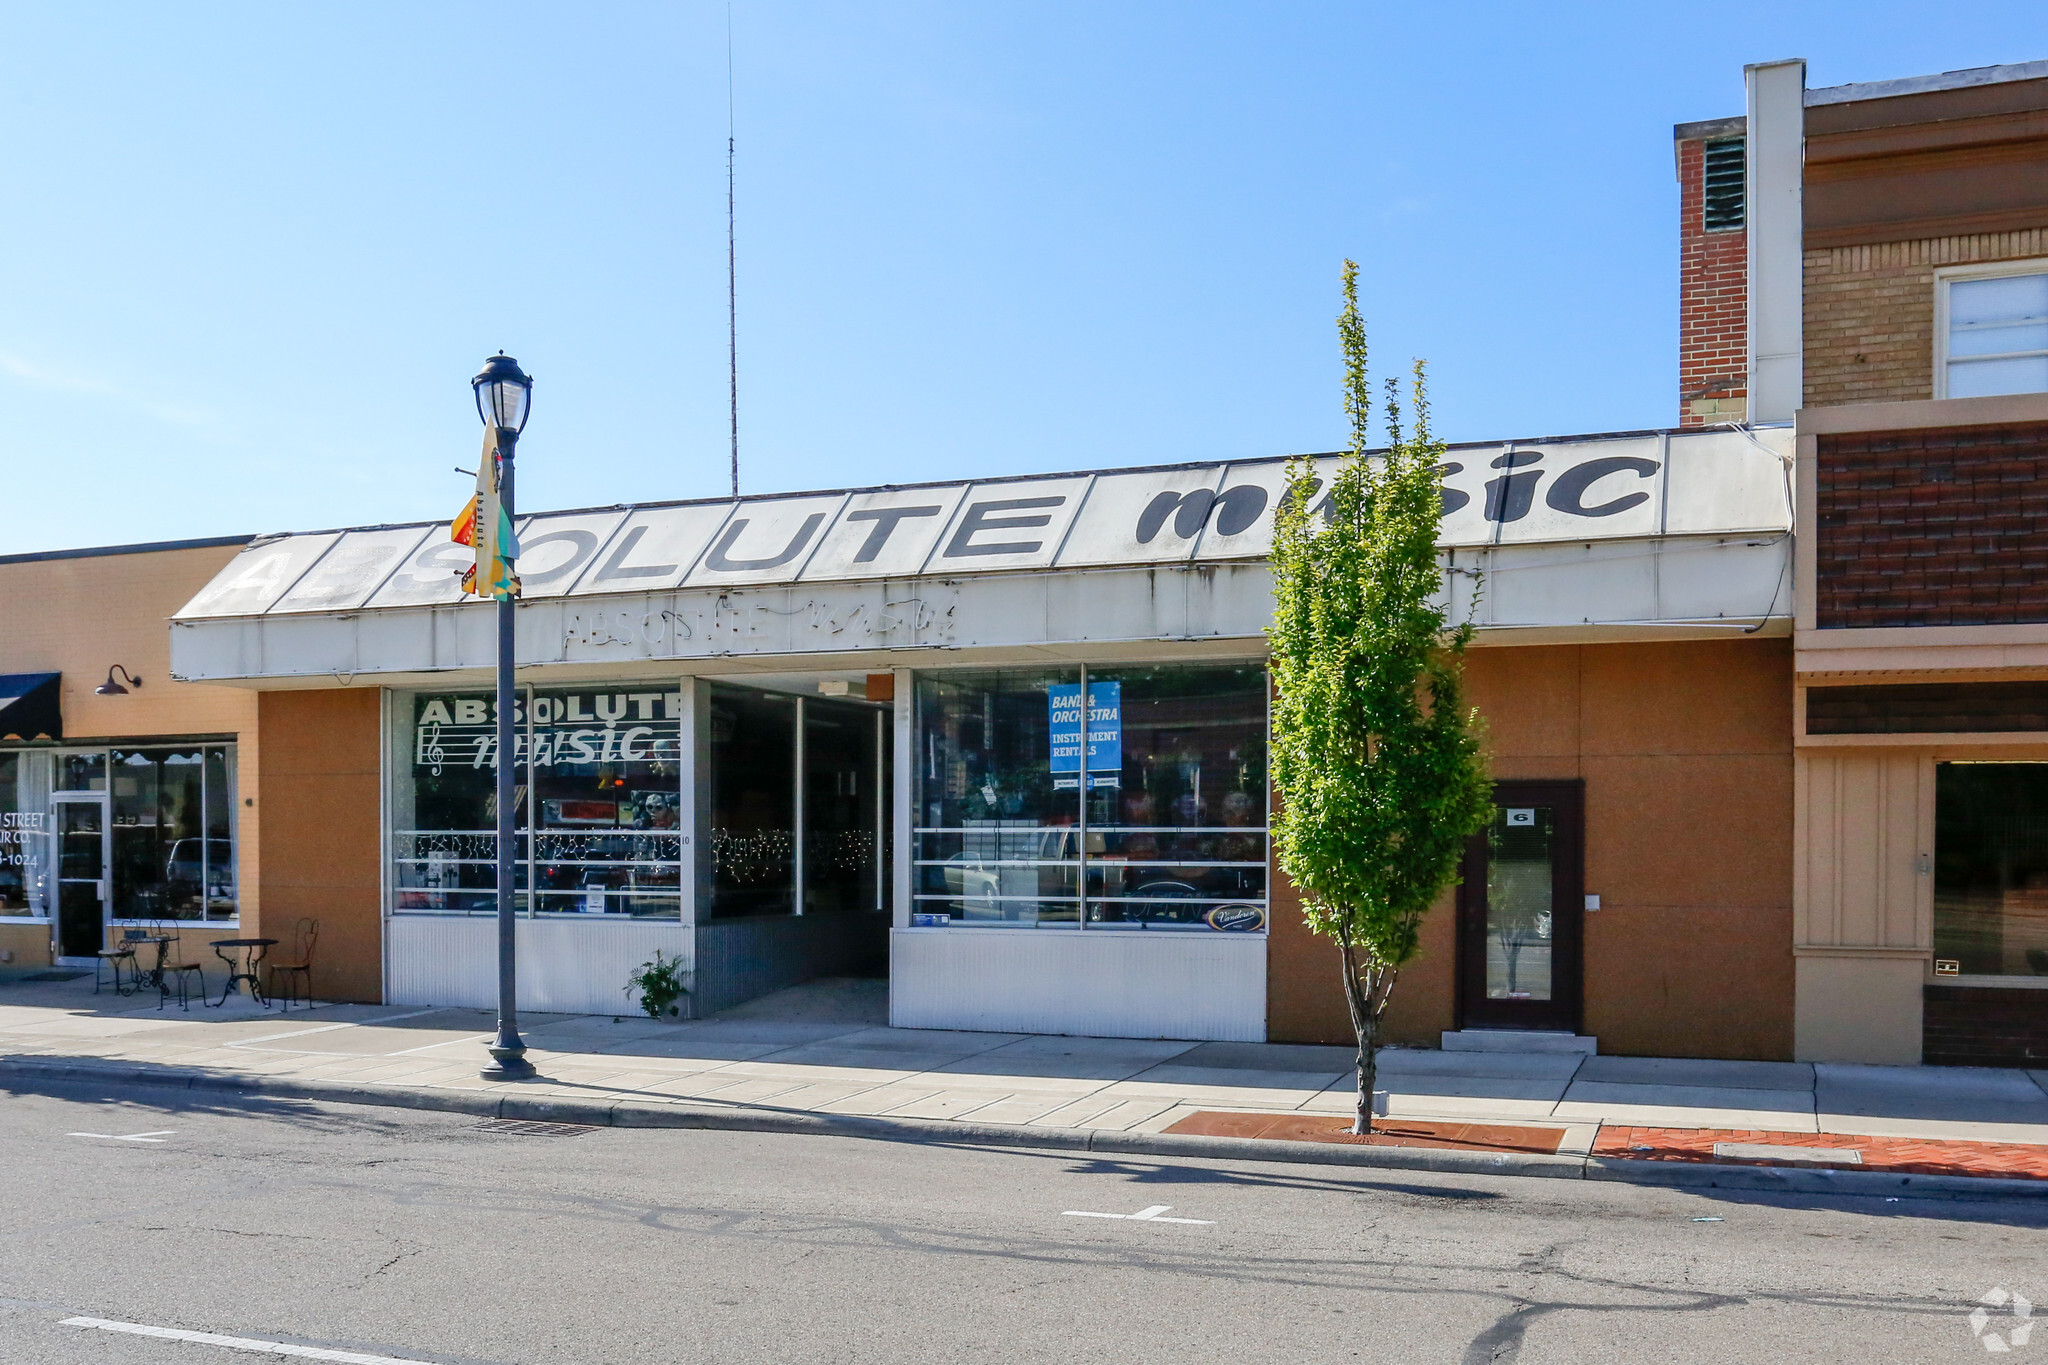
[732, 291]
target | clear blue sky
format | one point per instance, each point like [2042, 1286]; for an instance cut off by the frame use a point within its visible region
[250, 254]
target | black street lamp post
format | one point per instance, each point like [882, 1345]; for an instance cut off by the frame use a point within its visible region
[503, 392]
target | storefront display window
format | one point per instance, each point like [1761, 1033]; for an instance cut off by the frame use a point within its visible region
[1144, 808]
[598, 802]
[154, 824]
[445, 840]
[1991, 869]
[995, 844]
[24, 834]
[172, 830]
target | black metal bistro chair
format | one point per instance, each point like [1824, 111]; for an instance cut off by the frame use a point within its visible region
[113, 958]
[297, 969]
[189, 976]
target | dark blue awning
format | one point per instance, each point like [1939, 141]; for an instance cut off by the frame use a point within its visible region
[29, 706]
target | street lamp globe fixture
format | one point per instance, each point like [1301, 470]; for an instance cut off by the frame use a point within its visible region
[503, 393]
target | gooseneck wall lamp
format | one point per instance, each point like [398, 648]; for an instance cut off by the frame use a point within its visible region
[110, 688]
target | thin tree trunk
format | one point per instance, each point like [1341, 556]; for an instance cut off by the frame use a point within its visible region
[1365, 1025]
[1368, 1071]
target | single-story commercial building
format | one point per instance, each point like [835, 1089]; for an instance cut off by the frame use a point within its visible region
[1005, 741]
[1766, 695]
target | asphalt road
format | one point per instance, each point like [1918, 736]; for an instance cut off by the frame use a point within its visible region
[424, 1237]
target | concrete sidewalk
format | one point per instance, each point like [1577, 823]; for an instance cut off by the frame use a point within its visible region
[824, 1049]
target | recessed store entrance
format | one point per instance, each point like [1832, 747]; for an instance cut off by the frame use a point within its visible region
[799, 837]
[740, 829]
[1520, 911]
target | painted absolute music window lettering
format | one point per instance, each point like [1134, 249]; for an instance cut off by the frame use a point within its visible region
[598, 790]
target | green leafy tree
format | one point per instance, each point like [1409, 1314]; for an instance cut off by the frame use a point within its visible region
[1376, 757]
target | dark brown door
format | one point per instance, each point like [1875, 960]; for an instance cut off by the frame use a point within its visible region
[1521, 908]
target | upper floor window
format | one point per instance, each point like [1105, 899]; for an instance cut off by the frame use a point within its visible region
[1725, 174]
[1993, 330]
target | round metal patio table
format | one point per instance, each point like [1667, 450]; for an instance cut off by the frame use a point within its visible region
[252, 950]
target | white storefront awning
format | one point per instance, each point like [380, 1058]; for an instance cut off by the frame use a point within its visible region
[1640, 531]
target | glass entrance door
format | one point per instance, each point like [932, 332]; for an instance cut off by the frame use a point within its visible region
[842, 806]
[81, 875]
[1519, 911]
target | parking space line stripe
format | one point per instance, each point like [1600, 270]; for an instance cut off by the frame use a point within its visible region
[275, 1348]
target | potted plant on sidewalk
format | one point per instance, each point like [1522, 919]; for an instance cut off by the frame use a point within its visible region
[660, 984]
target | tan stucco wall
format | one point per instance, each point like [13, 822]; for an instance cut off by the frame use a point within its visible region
[29, 943]
[321, 836]
[1859, 1009]
[1686, 753]
[79, 615]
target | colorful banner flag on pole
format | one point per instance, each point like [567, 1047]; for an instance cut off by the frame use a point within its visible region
[485, 527]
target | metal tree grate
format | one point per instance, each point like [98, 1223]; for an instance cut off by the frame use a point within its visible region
[536, 1128]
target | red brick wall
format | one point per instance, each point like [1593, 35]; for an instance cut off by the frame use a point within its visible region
[1944, 527]
[1713, 302]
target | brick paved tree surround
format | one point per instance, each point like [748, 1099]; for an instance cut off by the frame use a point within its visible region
[1713, 302]
[1936, 527]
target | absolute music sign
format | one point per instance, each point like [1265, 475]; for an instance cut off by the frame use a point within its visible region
[586, 726]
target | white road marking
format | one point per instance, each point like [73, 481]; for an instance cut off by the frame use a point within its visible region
[275, 1348]
[295, 1033]
[154, 1135]
[480, 1038]
[328, 1028]
[1150, 1215]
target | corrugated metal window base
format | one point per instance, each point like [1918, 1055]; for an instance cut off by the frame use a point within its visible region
[1108, 985]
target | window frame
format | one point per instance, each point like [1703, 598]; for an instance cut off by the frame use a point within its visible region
[1084, 672]
[49, 916]
[234, 784]
[232, 746]
[1932, 976]
[1947, 275]
[396, 717]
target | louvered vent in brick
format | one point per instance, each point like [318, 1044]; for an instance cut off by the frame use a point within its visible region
[1725, 181]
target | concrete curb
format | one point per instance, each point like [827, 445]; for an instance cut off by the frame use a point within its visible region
[1806, 1180]
[626, 1113]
